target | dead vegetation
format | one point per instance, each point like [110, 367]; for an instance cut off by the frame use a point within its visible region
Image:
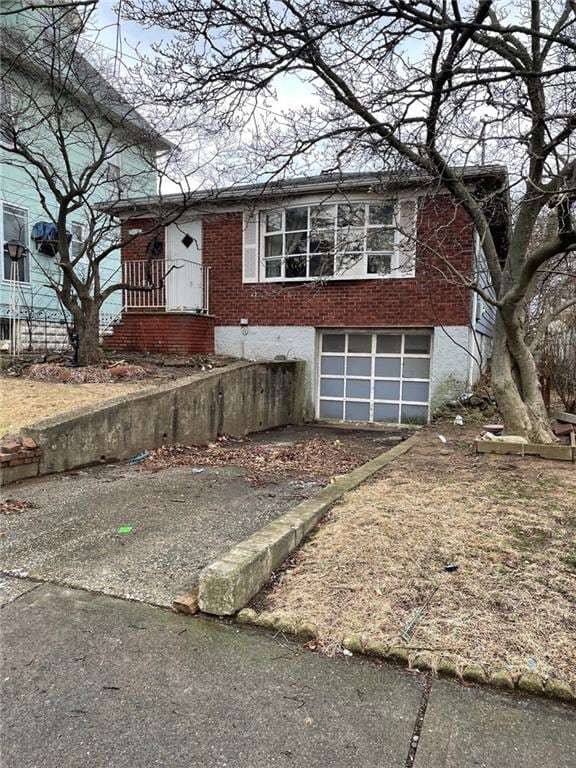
[507, 524]
[15, 506]
[317, 458]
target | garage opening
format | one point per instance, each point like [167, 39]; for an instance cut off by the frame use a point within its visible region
[375, 376]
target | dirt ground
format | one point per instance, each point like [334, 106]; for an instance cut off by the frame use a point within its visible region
[507, 524]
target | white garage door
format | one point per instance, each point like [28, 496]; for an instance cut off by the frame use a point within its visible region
[374, 376]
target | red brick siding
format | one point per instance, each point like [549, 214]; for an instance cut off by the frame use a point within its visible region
[163, 332]
[427, 299]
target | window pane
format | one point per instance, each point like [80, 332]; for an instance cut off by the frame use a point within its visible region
[357, 411]
[351, 215]
[417, 345]
[296, 219]
[333, 366]
[331, 409]
[359, 366]
[322, 265]
[416, 368]
[415, 390]
[387, 390]
[380, 240]
[14, 225]
[273, 221]
[381, 214]
[414, 414]
[360, 342]
[358, 388]
[386, 412]
[350, 240]
[274, 268]
[321, 241]
[379, 264]
[332, 387]
[295, 266]
[273, 246]
[296, 243]
[333, 342]
[387, 367]
[322, 216]
[346, 260]
[386, 345]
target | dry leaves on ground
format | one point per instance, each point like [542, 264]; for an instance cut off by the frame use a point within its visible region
[14, 506]
[316, 458]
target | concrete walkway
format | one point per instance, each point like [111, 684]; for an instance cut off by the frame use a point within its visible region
[93, 681]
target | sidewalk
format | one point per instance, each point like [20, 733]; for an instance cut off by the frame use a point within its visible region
[95, 681]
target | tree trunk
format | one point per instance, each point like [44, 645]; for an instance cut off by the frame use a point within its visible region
[87, 326]
[515, 383]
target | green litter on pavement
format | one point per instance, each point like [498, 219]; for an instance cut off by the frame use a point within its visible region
[125, 529]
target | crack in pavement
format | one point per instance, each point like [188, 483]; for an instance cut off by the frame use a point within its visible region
[420, 715]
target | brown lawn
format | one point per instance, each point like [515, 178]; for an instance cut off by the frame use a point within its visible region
[508, 523]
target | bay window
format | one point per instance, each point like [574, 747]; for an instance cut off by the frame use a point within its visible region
[316, 241]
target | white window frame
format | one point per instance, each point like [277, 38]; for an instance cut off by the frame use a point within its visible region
[372, 401]
[83, 263]
[6, 112]
[26, 242]
[115, 164]
[358, 268]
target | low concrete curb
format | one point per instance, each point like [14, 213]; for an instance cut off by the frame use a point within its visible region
[529, 682]
[228, 584]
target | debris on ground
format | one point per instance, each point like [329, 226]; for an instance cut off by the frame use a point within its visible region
[15, 506]
[59, 368]
[140, 457]
[318, 458]
[375, 559]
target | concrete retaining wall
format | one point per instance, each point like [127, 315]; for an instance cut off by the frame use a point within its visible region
[242, 398]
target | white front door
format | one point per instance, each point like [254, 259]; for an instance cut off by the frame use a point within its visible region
[185, 281]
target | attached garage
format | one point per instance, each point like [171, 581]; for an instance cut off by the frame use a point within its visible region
[374, 376]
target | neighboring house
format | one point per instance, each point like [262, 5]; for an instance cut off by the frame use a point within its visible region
[26, 41]
[360, 275]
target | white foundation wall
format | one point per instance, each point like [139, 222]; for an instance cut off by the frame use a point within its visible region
[451, 373]
[265, 342]
[453, 368]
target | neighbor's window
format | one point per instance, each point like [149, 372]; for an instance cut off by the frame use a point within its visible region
[15, 227]
[114, 170]
[325, 240]
[76, 248]
[6, 116]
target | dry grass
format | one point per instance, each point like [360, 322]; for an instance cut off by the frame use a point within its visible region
[24, 402]
[509, 524]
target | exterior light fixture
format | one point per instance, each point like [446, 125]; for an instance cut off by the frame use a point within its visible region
[15, 250]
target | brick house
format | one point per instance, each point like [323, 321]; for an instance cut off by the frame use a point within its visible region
[361, 275]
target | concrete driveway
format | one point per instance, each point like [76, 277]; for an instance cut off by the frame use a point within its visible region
[180, 520]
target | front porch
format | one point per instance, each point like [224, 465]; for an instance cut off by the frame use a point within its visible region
[168, 312]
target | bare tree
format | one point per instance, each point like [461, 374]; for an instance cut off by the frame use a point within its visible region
[80, 145]
[433, 85]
